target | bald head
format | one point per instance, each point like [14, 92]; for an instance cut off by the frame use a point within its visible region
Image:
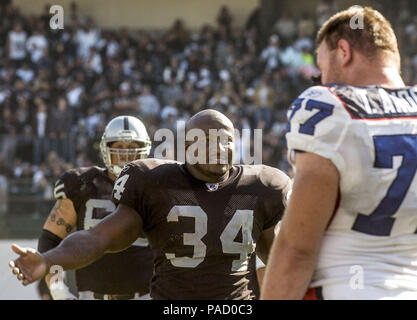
[209, 119]
[209, 145]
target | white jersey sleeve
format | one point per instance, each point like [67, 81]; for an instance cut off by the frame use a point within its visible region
[317, 123]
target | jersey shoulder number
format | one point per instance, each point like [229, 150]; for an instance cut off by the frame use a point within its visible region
[317, 123]
[119, 186]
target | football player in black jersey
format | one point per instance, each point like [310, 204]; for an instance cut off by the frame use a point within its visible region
[83, 198]
[204, 219]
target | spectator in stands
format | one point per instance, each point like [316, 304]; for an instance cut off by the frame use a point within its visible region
[75, 17]
[17, 45]
[265, 102]
[35, 45]
[148, 103]
[100, 75]
[306, 26]
[324, 10]
[126, 102]
[61, 122]
[25, 72]
[81, 138]
[8, 135]
[24, 147]
[93, 61]
[87, 37]
[225, 19]
[177, 36]
[82, 160]
[22, 112]
[67, 45]
[40, 126]
[23, 170]
[75, 96]
[286, 27]
[173, 91]
[57, 165]
[173, 71]
[41, 185]
[271, 55]
[169, 114]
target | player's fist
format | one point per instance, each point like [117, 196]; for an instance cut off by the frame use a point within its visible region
[30, 266]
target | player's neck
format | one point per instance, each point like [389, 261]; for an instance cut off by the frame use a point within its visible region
[111, 176]
[206, 178]
[386, 77]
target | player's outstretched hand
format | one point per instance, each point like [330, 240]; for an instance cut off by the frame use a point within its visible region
[30, 266]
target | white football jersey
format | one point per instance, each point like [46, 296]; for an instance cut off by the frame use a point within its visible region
[369, 250]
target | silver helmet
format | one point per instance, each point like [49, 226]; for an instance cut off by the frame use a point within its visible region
[126, 129]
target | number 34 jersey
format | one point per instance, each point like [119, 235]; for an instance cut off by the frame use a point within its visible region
[370, 135]
[202, 234]
[125, 272]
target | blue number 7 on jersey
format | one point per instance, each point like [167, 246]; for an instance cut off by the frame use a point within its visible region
[325, 110]
[380, 221]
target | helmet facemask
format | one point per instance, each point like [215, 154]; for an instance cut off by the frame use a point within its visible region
[124, 129]
[124, 156]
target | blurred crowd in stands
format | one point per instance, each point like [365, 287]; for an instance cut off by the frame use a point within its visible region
[58, 88]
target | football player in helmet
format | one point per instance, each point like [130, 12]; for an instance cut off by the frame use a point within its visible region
[83, 198]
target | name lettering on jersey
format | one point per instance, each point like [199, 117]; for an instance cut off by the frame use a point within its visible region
[387, 103]
[378, 103]
[365, 102]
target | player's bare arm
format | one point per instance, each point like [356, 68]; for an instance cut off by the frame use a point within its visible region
[295, 249]
[62, 218]
[60, 222]
[263, 247]
[116, 232]
[264, 244]
[260, 274]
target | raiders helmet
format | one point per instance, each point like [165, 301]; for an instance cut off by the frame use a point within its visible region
[126, 129]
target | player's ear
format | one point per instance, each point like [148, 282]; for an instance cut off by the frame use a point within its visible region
[345, 51]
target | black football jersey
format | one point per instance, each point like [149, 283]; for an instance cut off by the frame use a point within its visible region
[124, 272]
[202, 234]
[253, 284]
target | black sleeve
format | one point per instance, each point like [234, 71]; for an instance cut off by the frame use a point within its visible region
[274, 201]
[48, 241]
[67, 185]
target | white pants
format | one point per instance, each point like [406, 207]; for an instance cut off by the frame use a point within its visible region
[345, 292]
